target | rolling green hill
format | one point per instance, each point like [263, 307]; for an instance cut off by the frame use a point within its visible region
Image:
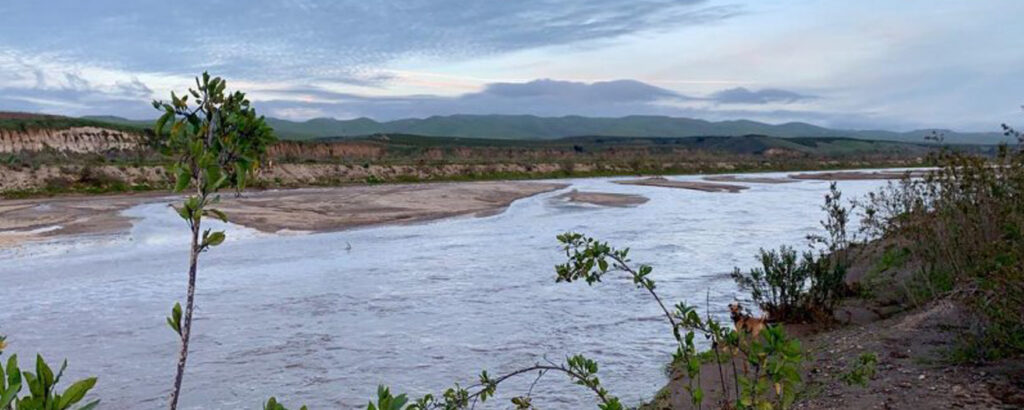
[531, 127]
[528, 127]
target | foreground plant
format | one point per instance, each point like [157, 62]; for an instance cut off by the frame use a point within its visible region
[774, 357]
[218, 142]
[580, 370]
[42, 391]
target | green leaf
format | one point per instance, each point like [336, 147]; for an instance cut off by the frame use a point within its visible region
[34, 384]
[217, 213]
[174, 321]
[215, 238]
[43, 371]
[183, 177]
[9, 395]
[76, 392]
[13, 373]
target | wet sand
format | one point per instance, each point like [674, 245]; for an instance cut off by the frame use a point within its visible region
[750, 180]
[331, 209]
[694, 185]
[314, 210]
[40, 219]
[604, 198]
[859, 175]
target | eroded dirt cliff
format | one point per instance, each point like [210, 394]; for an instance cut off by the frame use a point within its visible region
[79, 140]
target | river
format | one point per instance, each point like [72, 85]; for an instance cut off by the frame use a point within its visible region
[322, 319]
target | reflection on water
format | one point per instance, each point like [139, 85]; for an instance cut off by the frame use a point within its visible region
[417, 307]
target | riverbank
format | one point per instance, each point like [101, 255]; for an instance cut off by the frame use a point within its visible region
[883, 350]
[911, 368]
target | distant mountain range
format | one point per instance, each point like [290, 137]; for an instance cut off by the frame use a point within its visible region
[528, 127]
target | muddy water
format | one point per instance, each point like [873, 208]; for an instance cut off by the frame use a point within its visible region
[322, 319]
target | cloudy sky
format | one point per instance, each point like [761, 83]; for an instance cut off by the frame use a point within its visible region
[851, 64]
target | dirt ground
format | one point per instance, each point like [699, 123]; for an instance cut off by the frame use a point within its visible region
[912, 370]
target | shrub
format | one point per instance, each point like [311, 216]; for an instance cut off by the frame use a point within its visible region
[791, 288]
[861, 370]
[772, 377]
[963, 224]
[778, 286]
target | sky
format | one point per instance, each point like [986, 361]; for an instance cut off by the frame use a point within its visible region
[897, 65]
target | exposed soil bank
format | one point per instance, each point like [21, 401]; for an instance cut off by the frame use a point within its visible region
[694, 185]
[313, 209]
[604, 198]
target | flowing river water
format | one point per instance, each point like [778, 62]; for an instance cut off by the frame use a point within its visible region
[322, 319]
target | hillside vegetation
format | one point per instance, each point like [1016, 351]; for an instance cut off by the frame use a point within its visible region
[528, 127]
[532, 127]
[16, 121]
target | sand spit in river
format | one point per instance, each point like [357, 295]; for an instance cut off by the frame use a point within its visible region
[694, 185]
[859, 175]
[318, 210]
[749, 180]
[603, 198]
[331, 209]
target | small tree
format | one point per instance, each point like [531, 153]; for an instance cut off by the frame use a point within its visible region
[218, 142]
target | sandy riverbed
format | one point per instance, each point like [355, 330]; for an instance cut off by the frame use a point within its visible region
[859, 175]
[315, 209]
[750, 180]
[694, 185]
[603, 198]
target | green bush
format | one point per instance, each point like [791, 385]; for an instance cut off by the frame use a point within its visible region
[792, 288]
[962, 224]
[779, 285]
[861, 371]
